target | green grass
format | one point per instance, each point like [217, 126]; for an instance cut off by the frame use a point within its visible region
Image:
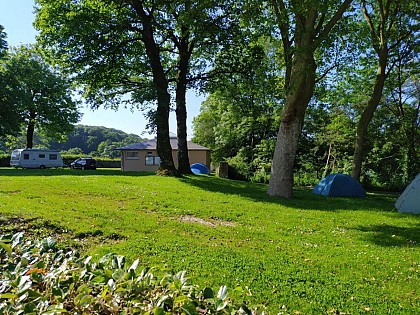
[311, 254]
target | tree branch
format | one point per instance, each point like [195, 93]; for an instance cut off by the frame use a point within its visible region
[336, 17]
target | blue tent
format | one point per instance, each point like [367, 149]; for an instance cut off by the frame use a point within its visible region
[199, 169]
[339, 185]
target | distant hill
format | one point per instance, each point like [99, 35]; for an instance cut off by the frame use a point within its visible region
[95, 139]
[87, 140]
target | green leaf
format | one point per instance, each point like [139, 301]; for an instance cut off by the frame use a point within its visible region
[30, 308]
[208, 293]
[48, 243]
[223, 292]
[16, 239]
[190, 308]
[221, 305]
[7, 296]
[98, 279]
[6, 247]
[134, 265]
[86, 300]
[158, 311]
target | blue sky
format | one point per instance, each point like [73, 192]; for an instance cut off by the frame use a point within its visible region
[17, 17]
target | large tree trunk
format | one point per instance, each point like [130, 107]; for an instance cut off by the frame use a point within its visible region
[181, 108]
[164, 149]
[310, 29]
[367, 115]
[181, 120]
[297, 99]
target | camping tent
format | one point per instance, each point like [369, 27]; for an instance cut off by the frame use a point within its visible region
[409, 200]
[198, 168]
[339, 185]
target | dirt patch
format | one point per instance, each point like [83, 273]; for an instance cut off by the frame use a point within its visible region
[213, 223]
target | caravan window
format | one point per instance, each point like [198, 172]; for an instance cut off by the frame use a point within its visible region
[53, 156]
[26, 156]
[42, 156]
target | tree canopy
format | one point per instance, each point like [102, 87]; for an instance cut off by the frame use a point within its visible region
[136, 53]
[292, 85]
[40, 98]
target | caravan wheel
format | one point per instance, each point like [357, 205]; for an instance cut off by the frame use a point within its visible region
[42, 167]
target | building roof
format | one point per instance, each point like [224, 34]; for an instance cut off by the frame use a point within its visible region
[151, 145]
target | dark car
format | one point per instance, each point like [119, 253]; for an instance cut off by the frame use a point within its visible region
[84, 164]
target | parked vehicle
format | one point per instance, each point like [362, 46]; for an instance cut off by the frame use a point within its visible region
[36, 158]
[86, 163]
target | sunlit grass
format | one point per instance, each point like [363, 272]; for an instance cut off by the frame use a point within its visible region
[311, 254]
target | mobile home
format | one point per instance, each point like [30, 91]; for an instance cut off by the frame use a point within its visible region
[36, 158]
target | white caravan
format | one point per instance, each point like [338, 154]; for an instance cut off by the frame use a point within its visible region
[36, 158]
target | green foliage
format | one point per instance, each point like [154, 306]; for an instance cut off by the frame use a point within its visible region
[39, 96]
[3, 43]
[240, 117]
[38, 278]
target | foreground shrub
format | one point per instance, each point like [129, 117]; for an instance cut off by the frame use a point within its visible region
[38, 278]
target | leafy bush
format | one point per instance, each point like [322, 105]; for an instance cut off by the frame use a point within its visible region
[4, 160]
[38, 278]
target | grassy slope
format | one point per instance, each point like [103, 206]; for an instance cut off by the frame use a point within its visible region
[312, 254]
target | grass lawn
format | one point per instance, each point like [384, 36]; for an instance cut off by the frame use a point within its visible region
[308, 255]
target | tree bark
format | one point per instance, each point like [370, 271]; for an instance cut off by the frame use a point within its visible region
[181, 108]
[297, 99]
[30, 135]
[30, 129]
[181, 120]
[164, 149]
[309, 32]
[365, 119]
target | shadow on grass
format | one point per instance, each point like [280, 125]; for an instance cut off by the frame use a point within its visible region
[303, 198]
[68, 172]
[391, 235]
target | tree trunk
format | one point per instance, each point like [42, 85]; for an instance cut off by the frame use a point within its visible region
[181, 120]
[367, 115]
[297, 99]
[181, 108]
[30, 130]
[164, 149]
[30, 135]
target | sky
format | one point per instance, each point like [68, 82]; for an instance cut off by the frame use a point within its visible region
[17, 17]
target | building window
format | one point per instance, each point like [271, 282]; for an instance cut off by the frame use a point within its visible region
[132, 155]
[53, 156]
[152, 160]
[26, 156]
[41, 156]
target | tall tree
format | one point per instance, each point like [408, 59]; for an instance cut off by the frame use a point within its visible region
[9, 117]
[134, 52]
[390, 23]
[39, 94]
[304, 26]
[200, 30]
